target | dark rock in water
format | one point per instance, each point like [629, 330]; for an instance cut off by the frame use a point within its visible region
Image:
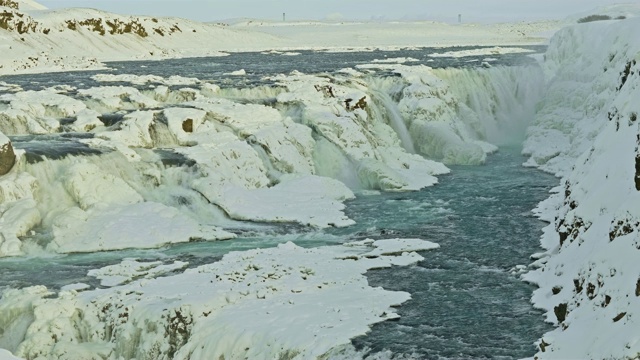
[187, 125]
[7, 158]
[172, 158]
[111, 119]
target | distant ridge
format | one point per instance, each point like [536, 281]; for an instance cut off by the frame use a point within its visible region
[24, 5]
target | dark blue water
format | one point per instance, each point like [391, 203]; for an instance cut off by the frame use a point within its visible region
[466, 304]
[260, 65]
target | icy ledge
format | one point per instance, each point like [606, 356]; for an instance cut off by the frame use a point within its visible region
[285, 302]
[587, 131]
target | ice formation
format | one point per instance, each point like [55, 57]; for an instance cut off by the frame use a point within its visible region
[285, 302]
[192, 156]
[173, 160]
[586, 131]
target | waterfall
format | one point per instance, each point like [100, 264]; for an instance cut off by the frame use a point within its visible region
[395, 119]
[503, 99]
[272, 173]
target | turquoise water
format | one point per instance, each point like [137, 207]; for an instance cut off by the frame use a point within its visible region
[466, 304]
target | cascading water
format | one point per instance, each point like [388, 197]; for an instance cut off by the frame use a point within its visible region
[310, 123]
[497, 103]
[396, 120]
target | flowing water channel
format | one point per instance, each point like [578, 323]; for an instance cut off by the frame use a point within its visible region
[466, 302]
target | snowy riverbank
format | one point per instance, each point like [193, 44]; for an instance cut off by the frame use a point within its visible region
[587, 132]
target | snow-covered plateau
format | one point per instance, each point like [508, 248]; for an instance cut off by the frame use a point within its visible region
[33, 39]
[144, 161]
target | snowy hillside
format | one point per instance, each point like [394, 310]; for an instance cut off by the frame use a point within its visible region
[24, 5]
[613, 11]
[68, 39]
[80, 38]
[587, 131]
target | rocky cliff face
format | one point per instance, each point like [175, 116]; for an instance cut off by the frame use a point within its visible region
[587, 132]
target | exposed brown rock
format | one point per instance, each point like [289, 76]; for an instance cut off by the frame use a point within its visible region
[7, 158]
[561, 312]
[10, 4]
[619, 317]
[637, 173]
[543, 346]
[187, 125]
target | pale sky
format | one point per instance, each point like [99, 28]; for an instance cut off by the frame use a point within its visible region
[439, 10]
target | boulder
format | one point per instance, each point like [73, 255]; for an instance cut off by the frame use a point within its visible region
[7, 156]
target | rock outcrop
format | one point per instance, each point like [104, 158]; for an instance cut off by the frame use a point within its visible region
[7, 155]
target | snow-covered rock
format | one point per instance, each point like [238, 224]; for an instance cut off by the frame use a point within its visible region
[250, 304]
[7, 155]
[587, 131]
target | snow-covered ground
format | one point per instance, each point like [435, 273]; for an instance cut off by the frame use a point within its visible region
[35, 40]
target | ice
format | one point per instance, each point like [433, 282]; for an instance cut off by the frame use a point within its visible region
[497, 50]
[309, 200]
[145, 79]
[250, 304]
[586, 132]
[131, 269]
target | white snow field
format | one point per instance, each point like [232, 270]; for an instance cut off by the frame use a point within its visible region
[326, 138]
[36, 40]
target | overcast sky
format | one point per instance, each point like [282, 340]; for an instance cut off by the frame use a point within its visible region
[440, 10]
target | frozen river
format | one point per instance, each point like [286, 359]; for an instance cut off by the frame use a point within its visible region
[467, 299]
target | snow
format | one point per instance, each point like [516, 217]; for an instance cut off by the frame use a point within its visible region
[497, 50]
[293, 197]
[627, 10]
[29, 5]
[75, 39]
[327, 137]
[249, 304]
[131, 269]
[144, 79]
[586, 132]
[6, 355]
